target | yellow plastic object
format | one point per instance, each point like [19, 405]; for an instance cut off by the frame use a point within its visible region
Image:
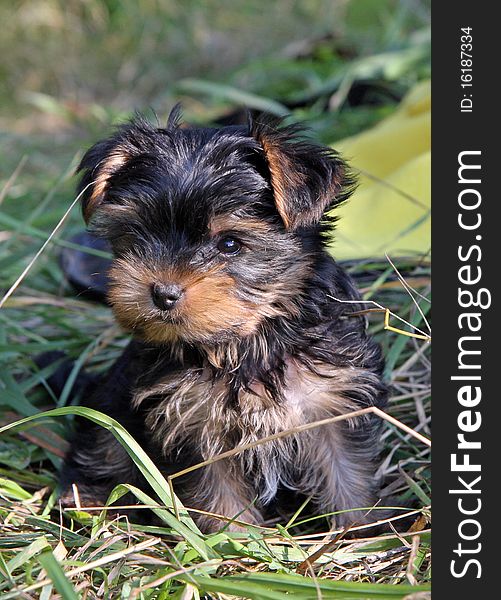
[390, 211]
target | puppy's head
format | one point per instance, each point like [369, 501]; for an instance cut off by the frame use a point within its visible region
[213, 230]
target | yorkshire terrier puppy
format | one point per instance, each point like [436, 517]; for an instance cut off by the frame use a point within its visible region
[221, 274]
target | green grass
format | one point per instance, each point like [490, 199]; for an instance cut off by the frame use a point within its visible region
[213, 56]
[115, 556]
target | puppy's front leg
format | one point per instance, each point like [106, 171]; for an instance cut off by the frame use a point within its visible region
[221, 488]
[344, 473]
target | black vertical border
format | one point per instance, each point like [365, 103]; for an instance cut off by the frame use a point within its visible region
[452, 133]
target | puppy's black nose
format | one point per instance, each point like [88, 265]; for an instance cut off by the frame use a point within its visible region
[165, 295]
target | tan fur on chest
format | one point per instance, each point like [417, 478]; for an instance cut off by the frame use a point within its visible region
[194, 410]
[195, 407]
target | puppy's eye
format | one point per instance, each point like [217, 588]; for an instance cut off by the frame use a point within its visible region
[229, 246]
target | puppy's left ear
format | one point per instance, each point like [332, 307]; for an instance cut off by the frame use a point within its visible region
[306, 179]
[97, 167]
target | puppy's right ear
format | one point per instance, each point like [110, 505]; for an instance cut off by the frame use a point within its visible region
[98, 165]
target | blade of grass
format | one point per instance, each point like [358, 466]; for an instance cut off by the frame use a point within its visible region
[77, 366]
[10, 489]
[28, 553]
[42, 206]
[275, 586]
[163, 513]
[10, 223]
[137, 454]
[52, 234]
[234, 95]
[400, 343]
[57, 576]
[13, 396]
